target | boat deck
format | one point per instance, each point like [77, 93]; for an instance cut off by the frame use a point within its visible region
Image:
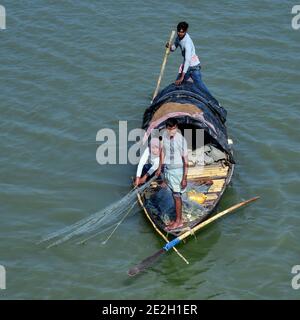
[217, 174]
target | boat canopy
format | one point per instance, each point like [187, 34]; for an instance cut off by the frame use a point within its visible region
[192, 108]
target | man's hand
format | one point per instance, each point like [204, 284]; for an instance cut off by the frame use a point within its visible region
[183, 183]
[158, 172]
[179, 81]
[143, 179]
[137, 181]
[167, 45]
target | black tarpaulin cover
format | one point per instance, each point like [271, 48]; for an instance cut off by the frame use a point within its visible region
[212, 120]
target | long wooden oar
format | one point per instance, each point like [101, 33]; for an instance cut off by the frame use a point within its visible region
[150, 260]
[162, 70]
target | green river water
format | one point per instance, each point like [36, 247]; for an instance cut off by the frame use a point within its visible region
[70, 68]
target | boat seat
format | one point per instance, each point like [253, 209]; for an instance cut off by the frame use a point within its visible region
[214, 171]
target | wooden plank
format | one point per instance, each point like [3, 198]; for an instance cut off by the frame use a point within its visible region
[211, 196]
[217, 185]
[207, 203]
[207, 171]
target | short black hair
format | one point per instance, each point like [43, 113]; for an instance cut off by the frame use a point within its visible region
[171, 122]
[182, 26]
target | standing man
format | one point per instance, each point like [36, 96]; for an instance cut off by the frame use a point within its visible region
[191, 63]
[173, 155]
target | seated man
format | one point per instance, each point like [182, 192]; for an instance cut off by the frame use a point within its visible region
[149, 162]
[173, 156]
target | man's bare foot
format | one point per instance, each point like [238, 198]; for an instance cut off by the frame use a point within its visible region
[174, 225]
[209, 182]
[170, 223]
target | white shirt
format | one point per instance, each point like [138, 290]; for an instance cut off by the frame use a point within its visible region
[188, 51]
[147, 158]
[174, 149]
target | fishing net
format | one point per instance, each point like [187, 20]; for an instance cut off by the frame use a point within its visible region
[99, 222]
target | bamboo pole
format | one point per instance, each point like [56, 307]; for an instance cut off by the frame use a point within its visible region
[215, 217]
[146, 263]
[163, 65]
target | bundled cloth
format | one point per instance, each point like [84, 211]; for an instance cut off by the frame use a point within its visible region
[207, 154]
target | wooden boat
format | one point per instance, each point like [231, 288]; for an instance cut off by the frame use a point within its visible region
[193, 110]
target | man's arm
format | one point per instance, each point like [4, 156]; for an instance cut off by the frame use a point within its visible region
[185, 170]
[154, 167]
[141, 164]
[161, 161]
[187, 63]
[184, 155]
